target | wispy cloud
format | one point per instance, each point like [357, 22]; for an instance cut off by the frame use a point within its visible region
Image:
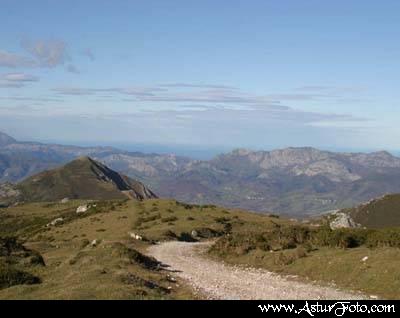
[210, 101]
[134, 91]
[330, 89]
[191, 85]
[72, 69]
[16, 80]
[89, 54]
[32, 99]
[47, 53]
[20, 77]
[12, 60]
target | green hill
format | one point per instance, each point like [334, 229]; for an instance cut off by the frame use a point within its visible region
[83, 178]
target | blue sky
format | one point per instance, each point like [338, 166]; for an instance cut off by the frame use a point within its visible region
[207, 74]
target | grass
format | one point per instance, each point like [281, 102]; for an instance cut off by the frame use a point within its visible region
[344, 268]
[320, 254]
[380, 213]
[159, 220]
[117, 268]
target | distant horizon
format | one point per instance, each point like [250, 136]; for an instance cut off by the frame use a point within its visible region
[191, 151]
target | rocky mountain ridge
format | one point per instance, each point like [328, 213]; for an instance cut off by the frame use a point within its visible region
[294, 181]
[82, 178]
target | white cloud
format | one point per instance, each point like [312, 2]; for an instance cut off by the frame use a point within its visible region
[16, 80]
[20, 77]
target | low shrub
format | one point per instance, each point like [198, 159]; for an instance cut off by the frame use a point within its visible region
[186, 237]
[169, 234]
[135, 257]
[289, 257]
[10, 276]
[169, 219]
[205, 232]
[293, 237]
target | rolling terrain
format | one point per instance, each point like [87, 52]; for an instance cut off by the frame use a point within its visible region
[56, 250]
[96, 254]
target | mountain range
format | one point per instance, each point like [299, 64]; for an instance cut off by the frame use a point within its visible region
[292, 181]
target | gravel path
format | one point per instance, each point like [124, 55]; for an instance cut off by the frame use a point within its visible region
[215, 280]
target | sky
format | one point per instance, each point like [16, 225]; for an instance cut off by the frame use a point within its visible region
[202, 74]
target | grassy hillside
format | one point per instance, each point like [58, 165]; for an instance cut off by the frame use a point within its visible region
[83, 178]
[117, 268]
[358, 259]
[378, 213]
[74, 269]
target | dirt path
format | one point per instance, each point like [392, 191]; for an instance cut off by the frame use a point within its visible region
[216, 280]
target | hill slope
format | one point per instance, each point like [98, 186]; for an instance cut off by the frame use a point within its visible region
[377, 213]
[97, 255]
[83, 178]
[6, 139]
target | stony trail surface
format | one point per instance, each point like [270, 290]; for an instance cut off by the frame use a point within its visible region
[211, 279]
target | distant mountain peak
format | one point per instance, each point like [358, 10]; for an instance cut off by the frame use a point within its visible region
[241, 151]
[383, 153]
[6, 139]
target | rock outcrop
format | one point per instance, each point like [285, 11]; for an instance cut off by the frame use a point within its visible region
[342, 220]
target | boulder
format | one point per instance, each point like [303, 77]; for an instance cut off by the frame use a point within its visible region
[136, 236]
[65, 200]
[82, 208]
[55, 222]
